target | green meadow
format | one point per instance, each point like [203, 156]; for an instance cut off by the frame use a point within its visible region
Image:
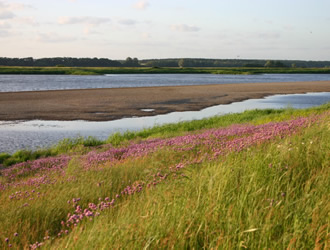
[256, 180]
[156, 70]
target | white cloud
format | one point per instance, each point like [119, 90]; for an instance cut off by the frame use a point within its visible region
[8, 10]
[5, 29]
[141, 5]
[14, 6]
[54, 38]
[127, 22]
[4, 33]
[27, 21]
[87, 20]
[4, 25]
[184, 28]
[89, 30]
[146, 35]
[6, 15]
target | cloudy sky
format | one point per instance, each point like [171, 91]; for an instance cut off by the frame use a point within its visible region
[116, 29]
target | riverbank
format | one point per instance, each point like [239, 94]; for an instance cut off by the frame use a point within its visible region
[116, 103]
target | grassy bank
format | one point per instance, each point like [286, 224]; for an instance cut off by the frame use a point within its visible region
[254, 180]
[155, 70]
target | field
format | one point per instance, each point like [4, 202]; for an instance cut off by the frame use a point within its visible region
[257, 180]
[156, 70]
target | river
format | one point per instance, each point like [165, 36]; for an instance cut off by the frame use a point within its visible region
[15, 83]
[15, 135]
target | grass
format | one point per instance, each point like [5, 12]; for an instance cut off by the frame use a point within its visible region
[239, 202]
[66, 145]
[220, 185]
[157, 70]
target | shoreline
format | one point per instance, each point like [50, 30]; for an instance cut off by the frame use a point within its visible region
[117, 103]
[51, 70]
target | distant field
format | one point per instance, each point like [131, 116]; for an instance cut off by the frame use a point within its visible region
[156, 70]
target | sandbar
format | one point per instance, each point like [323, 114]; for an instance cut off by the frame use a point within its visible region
[117, 103]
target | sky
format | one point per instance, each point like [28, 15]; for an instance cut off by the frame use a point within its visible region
[117, 29]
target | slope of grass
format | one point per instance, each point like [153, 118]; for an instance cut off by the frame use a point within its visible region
[261, 185]
[272, 196]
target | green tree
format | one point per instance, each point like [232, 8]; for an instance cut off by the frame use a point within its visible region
[269, 64]
[274, 64]
[181, 63]
[136, 62]
[129, 62]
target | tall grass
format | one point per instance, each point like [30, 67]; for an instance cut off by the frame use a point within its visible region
[272, 196]
[269, 192]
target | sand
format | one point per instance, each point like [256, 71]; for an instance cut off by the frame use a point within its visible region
[116, 103]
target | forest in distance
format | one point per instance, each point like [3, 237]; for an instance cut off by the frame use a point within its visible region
[172, 62]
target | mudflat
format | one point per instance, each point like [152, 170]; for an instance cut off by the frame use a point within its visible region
[116, 103]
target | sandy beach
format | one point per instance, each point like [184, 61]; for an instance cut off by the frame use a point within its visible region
[112, 104]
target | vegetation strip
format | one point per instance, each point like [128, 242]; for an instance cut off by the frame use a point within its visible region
[157, 70]
[156, 63]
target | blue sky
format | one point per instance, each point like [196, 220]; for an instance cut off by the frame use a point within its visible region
[116, 29]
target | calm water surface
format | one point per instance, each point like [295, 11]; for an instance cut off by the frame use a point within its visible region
[33, 134]
[14, 83]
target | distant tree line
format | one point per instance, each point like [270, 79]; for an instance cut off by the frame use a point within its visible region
[196, 62]
[172, 62]
[68, 62]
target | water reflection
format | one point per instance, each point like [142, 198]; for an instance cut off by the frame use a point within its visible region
[16, 135]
